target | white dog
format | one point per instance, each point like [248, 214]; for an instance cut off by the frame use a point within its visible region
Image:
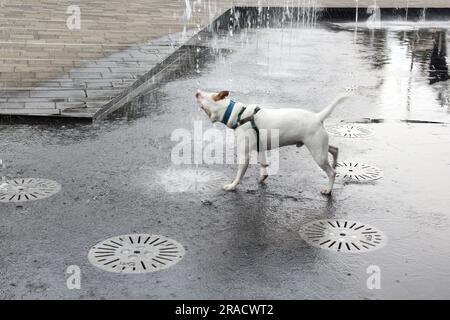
[295, 127]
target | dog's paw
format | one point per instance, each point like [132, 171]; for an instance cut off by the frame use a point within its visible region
[326, 192]
[229, 187]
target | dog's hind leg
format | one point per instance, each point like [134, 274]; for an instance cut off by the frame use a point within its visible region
[331, 173]
[263, 162]
[334, 152]
[318, 146]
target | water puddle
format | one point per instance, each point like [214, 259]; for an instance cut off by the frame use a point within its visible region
[192, 180]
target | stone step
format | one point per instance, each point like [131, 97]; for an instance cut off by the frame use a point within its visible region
[31, 111]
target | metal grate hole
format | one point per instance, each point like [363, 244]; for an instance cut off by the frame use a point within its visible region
[192, 180]
[136, 253]
[27, 189]
[357, 172]
[349, 131]
[343, 236]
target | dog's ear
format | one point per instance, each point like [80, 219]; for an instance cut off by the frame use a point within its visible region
[221, 95]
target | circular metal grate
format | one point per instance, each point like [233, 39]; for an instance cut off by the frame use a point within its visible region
[192, 180]
[349, 131]
[27, 189]
[357, 172]
[136, 253]
[343, 236]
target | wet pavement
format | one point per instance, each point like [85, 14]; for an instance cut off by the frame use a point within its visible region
[117, 178]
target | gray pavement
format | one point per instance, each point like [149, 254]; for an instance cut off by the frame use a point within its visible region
[116, 178]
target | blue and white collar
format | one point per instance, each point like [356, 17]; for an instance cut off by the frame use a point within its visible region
[227, 114]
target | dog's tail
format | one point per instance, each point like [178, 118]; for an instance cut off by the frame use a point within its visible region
[325, 113]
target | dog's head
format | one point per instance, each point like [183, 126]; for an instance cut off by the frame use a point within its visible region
[214, 104]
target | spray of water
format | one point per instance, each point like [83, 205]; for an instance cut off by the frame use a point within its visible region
[423, 17]
[407, 8]
[309, 10]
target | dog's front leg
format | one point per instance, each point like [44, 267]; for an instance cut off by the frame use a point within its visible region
[240, 174]
[245, 143]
